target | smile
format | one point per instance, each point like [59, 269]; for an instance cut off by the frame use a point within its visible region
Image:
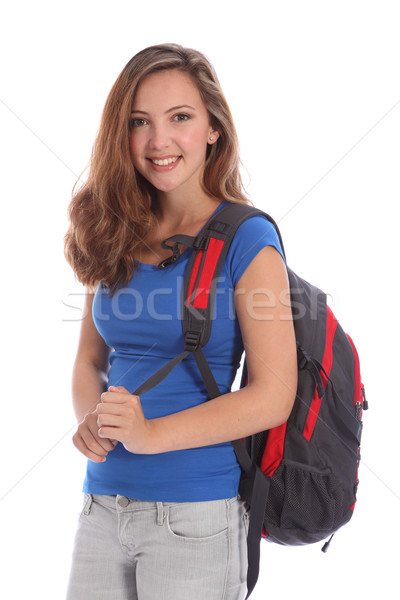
[164, 165]
[164, 161]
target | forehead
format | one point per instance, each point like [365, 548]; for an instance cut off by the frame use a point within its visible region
[164, 89]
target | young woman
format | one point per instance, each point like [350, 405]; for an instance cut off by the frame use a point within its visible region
[162, 517]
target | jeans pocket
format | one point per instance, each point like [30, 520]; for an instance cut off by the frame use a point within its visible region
[198, 521]
[87, 505]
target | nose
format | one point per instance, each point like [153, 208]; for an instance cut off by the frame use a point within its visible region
[159, 137]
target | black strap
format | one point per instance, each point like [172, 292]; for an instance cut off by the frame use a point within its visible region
[197, 243]
[185, 240]
[258, 504]
[159, 375]
[206, 373]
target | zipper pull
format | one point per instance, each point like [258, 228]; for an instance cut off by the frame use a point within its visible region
[326, 545]
[365, 401]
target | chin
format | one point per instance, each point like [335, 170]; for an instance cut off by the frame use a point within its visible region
[165, 188]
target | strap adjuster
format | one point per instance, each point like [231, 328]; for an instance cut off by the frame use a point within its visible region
[192, 340]
[201, 242]
[302, 358]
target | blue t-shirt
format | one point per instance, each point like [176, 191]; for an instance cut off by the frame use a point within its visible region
[142, 324]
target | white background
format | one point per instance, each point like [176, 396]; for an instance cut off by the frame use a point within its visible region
[315, 93]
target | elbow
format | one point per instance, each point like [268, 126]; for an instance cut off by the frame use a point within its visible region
[286, 408]
[287, 397]
[277, 403]
[281, 413]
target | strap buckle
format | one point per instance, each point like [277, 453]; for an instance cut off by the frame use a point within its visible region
[192, 340]
[171, 259]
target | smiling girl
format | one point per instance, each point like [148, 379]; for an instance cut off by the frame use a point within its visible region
[162, 517]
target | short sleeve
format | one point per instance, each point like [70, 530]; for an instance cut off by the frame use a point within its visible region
[252, 236]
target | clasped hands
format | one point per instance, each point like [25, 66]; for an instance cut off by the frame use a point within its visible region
[118, 418]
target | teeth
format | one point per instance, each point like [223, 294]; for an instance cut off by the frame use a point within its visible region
[166, 161]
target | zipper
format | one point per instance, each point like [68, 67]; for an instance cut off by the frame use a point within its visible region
[359, 393]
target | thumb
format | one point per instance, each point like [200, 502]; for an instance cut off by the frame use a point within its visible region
[118, 388]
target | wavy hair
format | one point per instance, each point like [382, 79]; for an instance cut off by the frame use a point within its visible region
[112, 212]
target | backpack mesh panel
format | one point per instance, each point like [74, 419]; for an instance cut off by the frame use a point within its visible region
[304, 500]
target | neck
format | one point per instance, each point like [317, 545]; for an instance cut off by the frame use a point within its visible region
[181, 209]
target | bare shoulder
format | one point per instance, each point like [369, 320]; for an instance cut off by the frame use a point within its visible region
[266, 267]
[264, 288]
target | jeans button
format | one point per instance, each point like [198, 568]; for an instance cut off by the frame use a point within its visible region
[123, 502]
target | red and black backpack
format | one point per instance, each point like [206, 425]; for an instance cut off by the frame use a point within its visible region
[300, 479]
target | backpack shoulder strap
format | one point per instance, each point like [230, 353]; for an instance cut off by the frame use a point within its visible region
[199, 287]
[205, 267]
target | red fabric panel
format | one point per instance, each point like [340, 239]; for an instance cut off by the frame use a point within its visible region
[358, 396]
[193, 275]
[207, 273]
[312, 415]
[273, 452]
[331, 325]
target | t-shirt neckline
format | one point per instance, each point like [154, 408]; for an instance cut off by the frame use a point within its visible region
[149, 267]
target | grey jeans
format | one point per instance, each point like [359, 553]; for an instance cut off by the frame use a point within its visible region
[134, 550]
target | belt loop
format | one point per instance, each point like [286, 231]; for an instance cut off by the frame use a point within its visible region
[88, 504]
[160, 513]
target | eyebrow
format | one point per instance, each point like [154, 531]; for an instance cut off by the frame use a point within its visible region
[142, 112]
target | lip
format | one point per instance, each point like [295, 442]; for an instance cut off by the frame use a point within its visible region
[164, 157]
[164, 168]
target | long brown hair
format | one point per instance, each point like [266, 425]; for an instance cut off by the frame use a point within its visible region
[111, 213]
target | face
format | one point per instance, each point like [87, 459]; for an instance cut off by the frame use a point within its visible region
[170, 130]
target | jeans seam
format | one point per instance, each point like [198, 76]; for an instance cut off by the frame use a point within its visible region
[228, 559]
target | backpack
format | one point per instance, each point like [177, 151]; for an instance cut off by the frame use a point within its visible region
[299, 479]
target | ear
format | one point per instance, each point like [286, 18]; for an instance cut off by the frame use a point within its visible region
[212, 137]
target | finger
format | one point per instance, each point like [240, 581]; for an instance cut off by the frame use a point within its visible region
[93, 428]
[90, 438]
[105, 420]
[117, 397]
[118, 388]
[113, 397]
[111, 432]
[82, 447]
[109, 408]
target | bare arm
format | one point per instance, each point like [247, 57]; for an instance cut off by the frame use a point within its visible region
[267, 400]
[89, 381]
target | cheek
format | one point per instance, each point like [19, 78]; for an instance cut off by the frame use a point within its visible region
[135, 146]
[135, 151]
[195, 140]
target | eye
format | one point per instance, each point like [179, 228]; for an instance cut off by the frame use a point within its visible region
[137, 122]
[181, 117]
